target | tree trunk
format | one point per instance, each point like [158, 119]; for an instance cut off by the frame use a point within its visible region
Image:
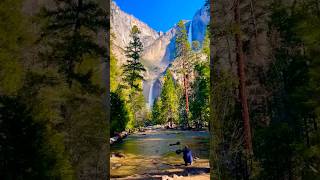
[185, 84]
[306, 129]
[315, 126]
[104, 40]
[254, 23]
[241, 74]
[214, 123]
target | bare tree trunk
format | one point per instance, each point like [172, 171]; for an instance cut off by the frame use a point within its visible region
[242, 85]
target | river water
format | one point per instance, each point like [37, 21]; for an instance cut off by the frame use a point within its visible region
[150, 153]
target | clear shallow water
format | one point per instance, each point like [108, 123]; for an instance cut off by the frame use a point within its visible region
[151, 152]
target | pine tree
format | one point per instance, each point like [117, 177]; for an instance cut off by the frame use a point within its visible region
[31, 149]
[292, 80]
[133, 68]
[169, 100]
[199, 106]
[183, 50]
[70, 33]
[67, 90]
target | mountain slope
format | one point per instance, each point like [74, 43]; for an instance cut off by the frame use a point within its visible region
[121, 24]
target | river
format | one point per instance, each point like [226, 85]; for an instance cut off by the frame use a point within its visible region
[149, 154]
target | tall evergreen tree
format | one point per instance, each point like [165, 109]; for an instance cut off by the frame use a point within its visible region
[67, 91]
[169, 100]
[133, 68]
[199, 105]
[292, 107]
[183, 50]
[30, 149]
[70, 33]
[132, 75]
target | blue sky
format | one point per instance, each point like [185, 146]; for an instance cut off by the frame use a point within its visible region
[161, 15]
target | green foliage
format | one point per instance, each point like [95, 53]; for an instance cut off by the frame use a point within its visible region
[184, 56]
[181, 41]
[196, 46]
[169, 99]
[119, 114]
[133, 69]
[183, 116]
[52, 116]
[157, 112]
[274, 148]
[287, 148]
[69, 34]
[31, 148]
[26, 151]
[206, 44]
[166, 107]
[66, 93]
[114, 73]
[128, 101]
[12, 39]
[199, 106]
[138, 106]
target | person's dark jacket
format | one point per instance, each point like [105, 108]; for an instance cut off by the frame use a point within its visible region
[187, 155]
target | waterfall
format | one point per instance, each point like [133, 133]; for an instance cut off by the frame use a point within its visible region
[150, 100]
[190, 33]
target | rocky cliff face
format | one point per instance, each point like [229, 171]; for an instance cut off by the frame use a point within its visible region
[121, 24]
[159, 48]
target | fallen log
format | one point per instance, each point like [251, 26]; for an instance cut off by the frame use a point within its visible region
[118, 137]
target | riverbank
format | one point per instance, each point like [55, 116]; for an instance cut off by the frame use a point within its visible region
[148, 155]
[120, 136]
